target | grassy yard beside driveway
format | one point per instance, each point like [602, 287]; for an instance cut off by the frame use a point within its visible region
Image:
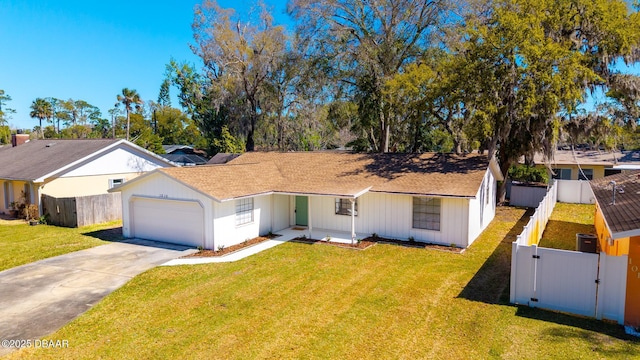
[310, 301]
[22, 244]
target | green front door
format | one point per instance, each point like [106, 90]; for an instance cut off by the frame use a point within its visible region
[302, 210]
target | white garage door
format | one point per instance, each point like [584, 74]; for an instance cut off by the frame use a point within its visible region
[173, 221]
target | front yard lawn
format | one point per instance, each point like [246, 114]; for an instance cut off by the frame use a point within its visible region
[21, 244]
[565, 222]
[302, 301]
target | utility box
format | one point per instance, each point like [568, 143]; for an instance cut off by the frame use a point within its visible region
[587, 243]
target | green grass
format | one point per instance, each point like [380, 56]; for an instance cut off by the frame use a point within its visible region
[323, 302]
[565, 222]
[21, 244]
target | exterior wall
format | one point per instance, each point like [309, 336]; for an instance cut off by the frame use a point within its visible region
[227, 233]
[390, 215]
[159, 186]
[619, 247]
[598, 170]
[478, 223]
[281, 212]
[68, 186]
[120, 160]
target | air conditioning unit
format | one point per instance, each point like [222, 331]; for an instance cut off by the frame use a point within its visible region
[587, 243]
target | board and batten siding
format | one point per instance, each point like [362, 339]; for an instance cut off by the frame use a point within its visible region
[159, 186]
[391, 216]
[478, 222]
[225, 231]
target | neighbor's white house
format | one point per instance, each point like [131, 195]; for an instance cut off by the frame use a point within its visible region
[436, 198]
[69, 168]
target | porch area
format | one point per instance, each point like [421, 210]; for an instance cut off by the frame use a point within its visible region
[320, 234]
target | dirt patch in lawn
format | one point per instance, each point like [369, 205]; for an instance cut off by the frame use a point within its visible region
[234, 248]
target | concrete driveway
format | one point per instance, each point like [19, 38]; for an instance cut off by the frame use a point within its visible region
[37, 299]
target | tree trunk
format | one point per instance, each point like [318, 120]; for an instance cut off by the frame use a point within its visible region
[505, 164]
[128, 123]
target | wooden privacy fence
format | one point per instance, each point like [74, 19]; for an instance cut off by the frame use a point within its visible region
[82, 210]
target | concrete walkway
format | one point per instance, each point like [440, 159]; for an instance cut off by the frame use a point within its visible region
[38, 298]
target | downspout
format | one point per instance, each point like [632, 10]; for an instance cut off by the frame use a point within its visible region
[309, 217]
[353, 220]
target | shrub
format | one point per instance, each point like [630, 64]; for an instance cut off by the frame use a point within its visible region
[528, 174]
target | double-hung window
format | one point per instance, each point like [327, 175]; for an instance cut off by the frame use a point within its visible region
[343, 207]
[244, 211]
[426, 213]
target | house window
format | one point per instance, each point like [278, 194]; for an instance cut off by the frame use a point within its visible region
[244, 211]
[426, 213]
[115, 182]
[562, 174]
[343, 207]
[585, 174]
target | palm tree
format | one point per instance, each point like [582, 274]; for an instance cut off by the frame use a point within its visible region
[41, 109]
[128, 98]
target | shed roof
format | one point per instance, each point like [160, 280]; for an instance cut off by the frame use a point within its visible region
[337, 174]
[623, 217]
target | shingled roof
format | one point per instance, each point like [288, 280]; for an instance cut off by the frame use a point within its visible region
[623, 217]
[337, 174]
[38, 158]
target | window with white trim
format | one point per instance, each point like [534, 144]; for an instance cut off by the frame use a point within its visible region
[244, 211]
[562, 174]
[343, 207]
[426, 213]
[115, 182]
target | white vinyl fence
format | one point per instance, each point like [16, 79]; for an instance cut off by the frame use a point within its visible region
[575, 192]
[570, 281]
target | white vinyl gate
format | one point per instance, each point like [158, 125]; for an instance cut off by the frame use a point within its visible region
[555, 279]
[566, 281]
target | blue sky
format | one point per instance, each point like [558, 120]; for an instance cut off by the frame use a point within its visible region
[90, 50]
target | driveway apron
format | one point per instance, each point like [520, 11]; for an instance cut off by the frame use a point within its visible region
[37, 299]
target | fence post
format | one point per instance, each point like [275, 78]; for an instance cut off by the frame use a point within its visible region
[514, 270]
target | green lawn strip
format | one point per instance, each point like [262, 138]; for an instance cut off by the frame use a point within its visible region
[22, 244]
[565, 222]
[310, 301]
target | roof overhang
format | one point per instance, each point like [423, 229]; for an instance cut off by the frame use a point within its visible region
[495, 169]
[626, 167]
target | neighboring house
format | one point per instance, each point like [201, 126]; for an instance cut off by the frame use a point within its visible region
[222, 158]
[436, 198]
[594, 164]
[68, 168]
[183, 155]
[617, 222]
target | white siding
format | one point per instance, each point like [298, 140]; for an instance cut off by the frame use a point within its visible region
[160, 186]
[476, 226]
[225, 230]
[281, 212]
[118, 161]
[391, 216]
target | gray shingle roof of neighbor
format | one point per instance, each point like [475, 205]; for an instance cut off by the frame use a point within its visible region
[222, 158]
[37, 158]
[337, 174]
[623, 216]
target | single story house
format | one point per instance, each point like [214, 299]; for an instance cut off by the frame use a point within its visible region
[69, 168]
[589, 164]
[183, 155]
[436, 198]
[617, 223]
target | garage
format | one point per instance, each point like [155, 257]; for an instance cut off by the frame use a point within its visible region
[174, 221]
